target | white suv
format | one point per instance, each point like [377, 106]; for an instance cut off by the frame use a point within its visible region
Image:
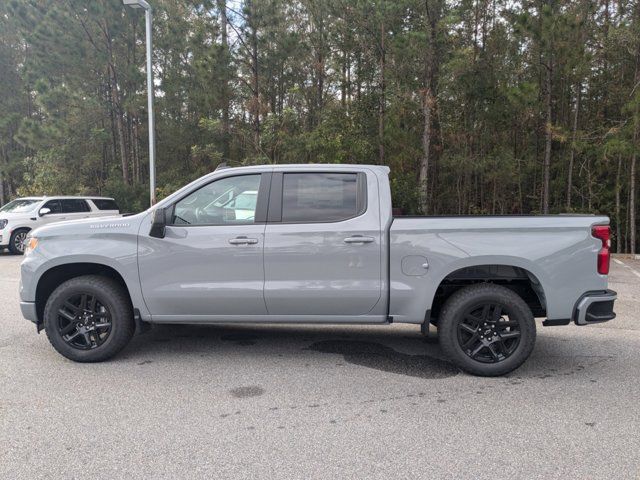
[21, 215]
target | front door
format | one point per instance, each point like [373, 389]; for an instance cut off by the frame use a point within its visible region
[55, 213]
[210, 262]
[322, 245]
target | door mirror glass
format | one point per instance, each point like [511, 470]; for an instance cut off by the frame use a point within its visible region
[44, 211]
[159, 223]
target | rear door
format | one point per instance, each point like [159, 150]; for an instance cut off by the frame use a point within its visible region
[104, 207]
[322, 244]
[75, 208]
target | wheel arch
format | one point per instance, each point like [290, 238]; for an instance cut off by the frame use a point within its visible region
[524, 281]
[58, 274]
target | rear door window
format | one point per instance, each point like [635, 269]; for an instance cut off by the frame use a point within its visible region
[74, 205]
[321, 197]
[105, 204]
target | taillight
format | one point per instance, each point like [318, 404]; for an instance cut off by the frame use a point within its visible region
[603, 233]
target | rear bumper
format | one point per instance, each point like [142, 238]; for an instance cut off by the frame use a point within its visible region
[595, 307]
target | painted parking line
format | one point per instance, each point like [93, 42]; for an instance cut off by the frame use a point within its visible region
[620, 262]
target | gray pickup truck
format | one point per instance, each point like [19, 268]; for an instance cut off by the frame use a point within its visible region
[315, 244]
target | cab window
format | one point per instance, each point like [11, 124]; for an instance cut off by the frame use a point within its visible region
[322, 197]
[228, 201]
[54, 206]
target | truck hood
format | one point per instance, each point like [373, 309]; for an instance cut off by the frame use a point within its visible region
[92, 226]
[17, 216]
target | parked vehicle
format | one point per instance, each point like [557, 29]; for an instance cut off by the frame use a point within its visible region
[19, 217]
[317, 244]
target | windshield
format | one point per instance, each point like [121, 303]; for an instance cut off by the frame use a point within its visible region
[21, 205]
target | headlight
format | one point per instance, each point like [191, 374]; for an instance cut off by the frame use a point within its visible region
[30, 245]
[3, 223]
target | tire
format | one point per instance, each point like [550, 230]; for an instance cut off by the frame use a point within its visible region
[90, 332]
[16, 242]
[475, 334]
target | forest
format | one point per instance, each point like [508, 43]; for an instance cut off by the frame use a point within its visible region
[478, 106]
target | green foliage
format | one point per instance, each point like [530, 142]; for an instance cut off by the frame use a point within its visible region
[46, 174]
[130, 198]
[335, 81]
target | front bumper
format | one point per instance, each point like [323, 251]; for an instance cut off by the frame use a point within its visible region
[595, 307]
[29, 311]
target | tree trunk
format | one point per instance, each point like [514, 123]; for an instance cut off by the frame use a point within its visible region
[546, 167]
[255, 79]
[136, 150]
[632, 193]
[383, 87]
[117, 107]
[589, 186]
[636, 144]
[343, 81]
[115, 100]
[574, 134]
[2, 164]
[428, 101]
[618, 219]
[320, 68]
[226, 130]
[349, 92]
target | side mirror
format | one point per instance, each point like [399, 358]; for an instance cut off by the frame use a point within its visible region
[44, 211]
[159, 223]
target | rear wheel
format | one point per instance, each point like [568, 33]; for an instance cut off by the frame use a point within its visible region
[89, 318]
[18, 240]
[487, 329]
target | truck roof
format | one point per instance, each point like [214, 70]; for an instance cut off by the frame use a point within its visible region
[75, 197]
[312, 166]
[303, 166]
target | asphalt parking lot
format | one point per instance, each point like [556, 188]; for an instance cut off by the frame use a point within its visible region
[320, 402]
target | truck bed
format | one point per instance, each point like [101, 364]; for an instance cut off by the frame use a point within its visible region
[557, 252]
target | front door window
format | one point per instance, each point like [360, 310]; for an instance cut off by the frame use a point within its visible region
[228, 201]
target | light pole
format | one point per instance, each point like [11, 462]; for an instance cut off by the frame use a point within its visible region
[152, 123]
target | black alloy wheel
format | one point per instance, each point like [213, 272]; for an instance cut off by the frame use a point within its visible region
[487, 334]
[486, 329]
[89, 318]
[83, 321]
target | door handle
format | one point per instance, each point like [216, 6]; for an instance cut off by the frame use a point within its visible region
[358, 239]
[243, 241]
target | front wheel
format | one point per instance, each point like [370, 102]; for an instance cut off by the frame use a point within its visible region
[89, 318]
[487, 329]
[18, 240]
